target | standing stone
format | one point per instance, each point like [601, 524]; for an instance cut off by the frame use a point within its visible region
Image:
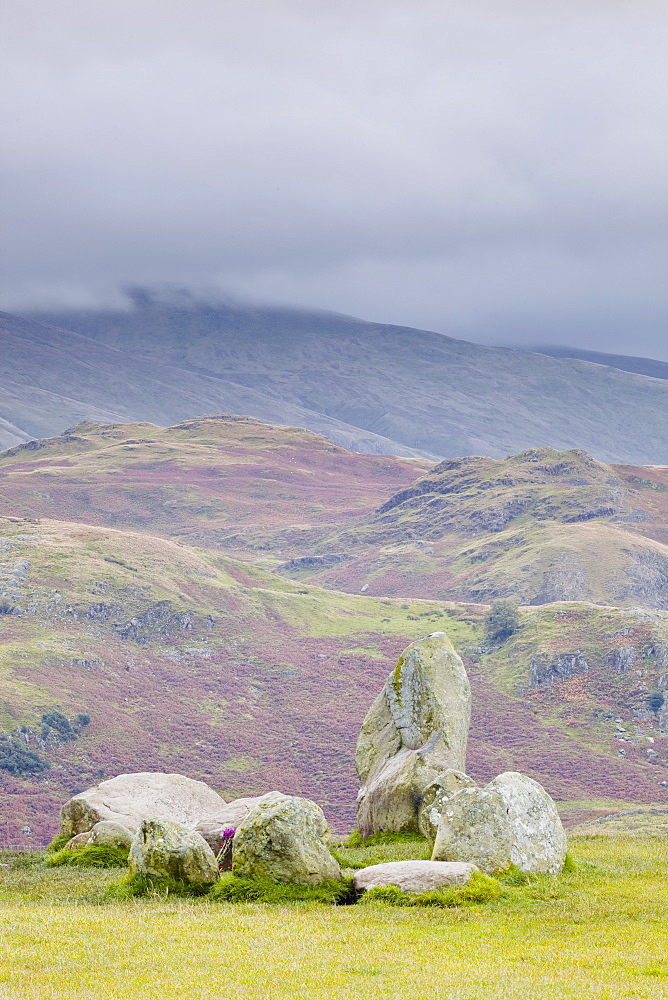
[164, 848]
[416, 728]
[284, 838]
[475, 828]
[511, 821]
[230, 817]
[435, 797]
[538, 837]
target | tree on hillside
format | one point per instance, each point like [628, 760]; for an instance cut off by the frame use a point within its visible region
[501, 621]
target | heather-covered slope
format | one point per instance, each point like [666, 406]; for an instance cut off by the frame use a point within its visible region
[441, 396]
[229, 482]
[186, 660]
[540, 526]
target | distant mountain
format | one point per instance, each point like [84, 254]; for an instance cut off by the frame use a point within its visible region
[410, 388]
[51, 378]
[626, 363]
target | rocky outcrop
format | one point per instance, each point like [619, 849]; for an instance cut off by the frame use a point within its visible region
[131, 798]
[416, 729]
[546, 670]
[284, 838]
[622, 658]
[511, 821]
[162, 848]
[414, 876]
[230, 817]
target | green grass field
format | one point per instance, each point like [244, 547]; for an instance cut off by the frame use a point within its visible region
[598, 932]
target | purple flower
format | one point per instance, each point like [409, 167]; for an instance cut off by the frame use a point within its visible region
[228, 832]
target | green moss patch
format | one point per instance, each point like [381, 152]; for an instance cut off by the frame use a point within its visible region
[90, 856]
[232, 889]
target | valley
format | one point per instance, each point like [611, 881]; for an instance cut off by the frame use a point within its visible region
[144, 585]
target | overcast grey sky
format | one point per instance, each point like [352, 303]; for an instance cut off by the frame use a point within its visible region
[493, 169]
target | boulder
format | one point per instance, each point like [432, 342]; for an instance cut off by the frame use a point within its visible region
[284, 838]
[414, 876]
[162, 848]
[416, 728]
[78, 841]
[434, 798]
[230, 816]
[107, 833]
[538, 840]
[131, 798]
[474, 827]
[511, 821]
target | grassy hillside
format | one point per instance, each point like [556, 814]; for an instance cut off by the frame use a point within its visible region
[441, 396]
[190, 661]
[537, 527]
[229, 482]
[627, 363]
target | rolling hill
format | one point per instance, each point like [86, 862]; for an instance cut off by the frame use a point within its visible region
[181, 659]
[537, 527]
[396, 388]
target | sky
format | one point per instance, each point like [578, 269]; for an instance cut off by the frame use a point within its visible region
[491, 169]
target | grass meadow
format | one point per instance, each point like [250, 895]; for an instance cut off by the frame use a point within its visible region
[600, 932]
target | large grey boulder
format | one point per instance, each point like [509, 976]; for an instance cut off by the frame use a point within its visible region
[474, 828]
[230, 817]
[538, 839]
[435, 797]
[129, 799]
[162, 848]
[512, 820]
[284, 838]
[414, 876]
[416, 728]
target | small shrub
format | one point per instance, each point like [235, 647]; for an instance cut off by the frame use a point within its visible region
[480, 889]
[91, 856]
[16, 758]
[231, 888]
[58, 843]
[656, 700]
[569, 864]
[501, 621]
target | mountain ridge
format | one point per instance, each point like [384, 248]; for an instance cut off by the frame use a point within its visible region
[438, 396]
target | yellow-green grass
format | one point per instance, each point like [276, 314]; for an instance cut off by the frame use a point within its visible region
[599, 932]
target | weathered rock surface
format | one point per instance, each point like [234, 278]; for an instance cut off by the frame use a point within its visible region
[538, 840]
[511, 821]
[416, 728]
[434, 798]
[285, 838]
[108, 833]
[78, 841]
[475, 828]
[414, 876]
[162, 847]
[231, 815]
[130, 798]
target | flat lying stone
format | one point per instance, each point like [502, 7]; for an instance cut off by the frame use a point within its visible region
[414, 876]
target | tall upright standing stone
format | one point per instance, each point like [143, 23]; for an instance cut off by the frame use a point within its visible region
[416, 728]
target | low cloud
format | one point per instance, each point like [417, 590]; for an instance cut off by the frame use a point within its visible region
[494, 170]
